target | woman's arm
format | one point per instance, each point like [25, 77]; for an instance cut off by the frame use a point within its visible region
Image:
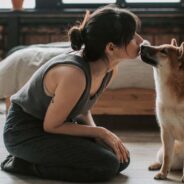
[87, 118]
[90, 119]
[67, 83]
[70, 84]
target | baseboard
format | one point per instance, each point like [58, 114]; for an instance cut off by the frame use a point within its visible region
[135, 122]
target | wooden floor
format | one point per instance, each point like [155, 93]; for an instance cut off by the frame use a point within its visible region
[143, 146]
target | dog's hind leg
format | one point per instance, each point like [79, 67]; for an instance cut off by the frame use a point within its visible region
[158, 164]
[155, 166]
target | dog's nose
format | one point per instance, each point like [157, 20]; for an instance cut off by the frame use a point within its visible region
[144, 45]
[143, 48]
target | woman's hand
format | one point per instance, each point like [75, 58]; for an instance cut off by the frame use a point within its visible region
[115, 143]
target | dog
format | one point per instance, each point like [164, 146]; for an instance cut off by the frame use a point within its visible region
[168, 69]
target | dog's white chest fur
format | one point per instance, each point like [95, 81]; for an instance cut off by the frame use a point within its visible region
[170, 112]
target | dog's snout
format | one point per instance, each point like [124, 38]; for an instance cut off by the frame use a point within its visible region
[144, 45]
[146, 49]
[147, 55]
[143, 48]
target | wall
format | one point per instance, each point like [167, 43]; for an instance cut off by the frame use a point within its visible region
[2, 41]
[157, 28]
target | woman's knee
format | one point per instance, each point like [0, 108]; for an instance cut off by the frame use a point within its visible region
[124, 165]
[116, 167]
[107, 166]
[111, 166]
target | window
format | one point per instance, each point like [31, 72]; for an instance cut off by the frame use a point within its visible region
[85, 3]
[6, 4]
[152, 1]
[89, 1]
[58, 4]
[126, 3]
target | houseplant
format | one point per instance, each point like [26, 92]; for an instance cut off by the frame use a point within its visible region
[17, 4]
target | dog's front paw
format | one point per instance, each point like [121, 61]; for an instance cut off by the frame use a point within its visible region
[182, 179]
[155, 166]
[160, 176]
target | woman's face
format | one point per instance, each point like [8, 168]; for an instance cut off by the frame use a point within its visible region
[133, 48]
[131, 51]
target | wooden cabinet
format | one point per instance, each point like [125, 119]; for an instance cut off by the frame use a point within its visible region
[33, 26]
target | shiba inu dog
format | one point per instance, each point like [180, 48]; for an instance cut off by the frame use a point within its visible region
[168, 68]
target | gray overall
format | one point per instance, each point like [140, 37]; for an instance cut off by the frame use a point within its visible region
[55, 156]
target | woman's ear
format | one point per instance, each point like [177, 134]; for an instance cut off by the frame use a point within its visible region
[109, 49]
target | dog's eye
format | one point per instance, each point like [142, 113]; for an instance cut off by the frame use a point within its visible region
[163, 51]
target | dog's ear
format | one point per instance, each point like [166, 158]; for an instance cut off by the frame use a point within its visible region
[181, 55]
[174, 42]
[181, 51]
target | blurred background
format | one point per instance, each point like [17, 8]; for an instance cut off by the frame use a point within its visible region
[45, 21]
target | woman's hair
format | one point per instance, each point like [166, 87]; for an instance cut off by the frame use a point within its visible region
[107, 24]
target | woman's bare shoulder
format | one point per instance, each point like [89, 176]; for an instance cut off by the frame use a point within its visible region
[64, 74]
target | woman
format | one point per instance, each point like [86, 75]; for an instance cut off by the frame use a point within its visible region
[49, 130]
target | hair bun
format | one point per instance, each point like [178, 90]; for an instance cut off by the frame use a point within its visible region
[75, 38]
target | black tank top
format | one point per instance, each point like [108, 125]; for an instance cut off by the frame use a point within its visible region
[34, 101]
